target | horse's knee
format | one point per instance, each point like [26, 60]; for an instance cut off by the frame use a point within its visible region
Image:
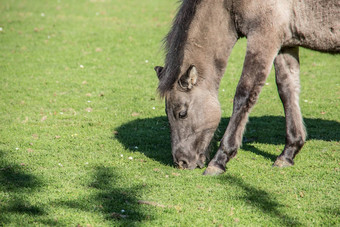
[246, 98]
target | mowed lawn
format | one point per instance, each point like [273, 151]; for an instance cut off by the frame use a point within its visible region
[84, 140]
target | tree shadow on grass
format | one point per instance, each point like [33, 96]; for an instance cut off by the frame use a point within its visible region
[260, 200]
[117, 203]
[17, 184]
[331, 215]
[152, 136]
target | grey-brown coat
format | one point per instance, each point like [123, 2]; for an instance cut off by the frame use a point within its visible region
[198, 46]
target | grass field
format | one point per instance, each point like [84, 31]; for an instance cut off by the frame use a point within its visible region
[84, 139]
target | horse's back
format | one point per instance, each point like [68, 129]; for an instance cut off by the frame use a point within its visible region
[313, 24]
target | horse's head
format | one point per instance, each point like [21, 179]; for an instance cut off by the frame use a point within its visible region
[194, 114]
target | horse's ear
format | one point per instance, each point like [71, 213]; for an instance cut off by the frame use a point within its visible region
[158, 70]
[189, 79]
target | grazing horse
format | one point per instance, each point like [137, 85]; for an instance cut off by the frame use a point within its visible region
[197, 50]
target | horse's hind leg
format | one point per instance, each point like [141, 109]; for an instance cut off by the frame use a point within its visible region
[287, 79]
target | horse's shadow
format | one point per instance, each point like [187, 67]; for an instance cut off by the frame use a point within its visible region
[151, 136]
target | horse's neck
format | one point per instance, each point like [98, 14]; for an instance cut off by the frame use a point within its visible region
[211, 37]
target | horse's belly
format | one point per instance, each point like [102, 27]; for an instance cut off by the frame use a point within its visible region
[316, 25]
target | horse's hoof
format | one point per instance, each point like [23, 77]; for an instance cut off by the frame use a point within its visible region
[213, 171]
[282, 163]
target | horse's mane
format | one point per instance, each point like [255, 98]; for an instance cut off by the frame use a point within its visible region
[174, 45]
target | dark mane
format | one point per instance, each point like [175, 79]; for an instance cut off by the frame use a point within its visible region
[174, 43]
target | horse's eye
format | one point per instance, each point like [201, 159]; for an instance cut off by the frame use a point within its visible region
[183, 114]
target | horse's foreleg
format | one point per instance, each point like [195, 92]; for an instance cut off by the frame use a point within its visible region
[287, 70]
[258, 62]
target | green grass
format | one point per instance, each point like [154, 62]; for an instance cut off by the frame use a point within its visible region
[67, 132]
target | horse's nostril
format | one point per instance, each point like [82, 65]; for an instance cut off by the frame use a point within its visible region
[183, 164]
[200, 164]
[201, 161]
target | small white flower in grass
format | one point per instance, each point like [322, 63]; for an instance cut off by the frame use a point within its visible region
[153, 108]
[146, 61]
[130, 158]
[89, 101]
[61, 113]
[122, 211]
[42, 14]
[136, 147]
[305, 100]
[1, 29]
[121, 155]
[59, 164]
[267, 84]
[17, 148]
[223, 90]
[81, 66]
